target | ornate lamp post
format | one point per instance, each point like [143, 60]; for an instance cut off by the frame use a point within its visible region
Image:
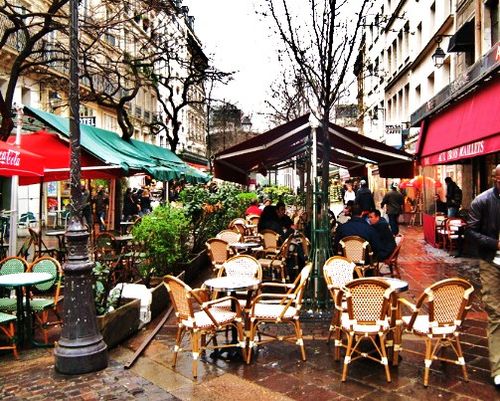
[81, 348]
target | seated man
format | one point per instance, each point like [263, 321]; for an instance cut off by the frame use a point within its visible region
[387, 242]
[345, 215]
[284, 220]
[357, 226]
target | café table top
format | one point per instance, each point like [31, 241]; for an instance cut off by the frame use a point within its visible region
[127, 223]
[127, 237]
[232, 283]
[244, 245]
[397, 284]
[54, 233]
[26, 278]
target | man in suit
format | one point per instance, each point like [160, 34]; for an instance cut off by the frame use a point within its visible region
[387, 242]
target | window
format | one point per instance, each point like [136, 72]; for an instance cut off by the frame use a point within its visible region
[432, 16]
[418, 94]
[491, 18]
[430, 85]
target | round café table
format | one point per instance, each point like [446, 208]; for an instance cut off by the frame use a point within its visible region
[232, 284]
[396, 284]
[18, 281]
[244, 246]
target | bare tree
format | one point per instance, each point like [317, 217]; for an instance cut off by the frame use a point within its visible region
[23, 42]
[321, 43]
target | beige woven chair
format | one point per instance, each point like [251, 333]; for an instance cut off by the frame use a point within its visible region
[277, 261]
[452, 234]
[218, 252]
[359, 251]
[230, 236]
[253, 219]
[367, 318]
[238, 225]
[337, 271]
[392, 260]
[278, 308]
[270, 241]
[198, 316]
[446, 303]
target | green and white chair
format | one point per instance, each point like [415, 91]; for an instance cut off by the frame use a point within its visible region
[11, 265]
[7, 327]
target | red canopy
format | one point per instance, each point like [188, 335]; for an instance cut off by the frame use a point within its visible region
[349, 149]
[17, 161]
[56, 153]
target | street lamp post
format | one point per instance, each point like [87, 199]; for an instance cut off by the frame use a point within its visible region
[81, 348]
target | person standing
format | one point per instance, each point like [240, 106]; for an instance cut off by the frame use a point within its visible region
[483, 228]
[453, 197]
[349, 194]
[364, 198]
[145, 202]
[86, 206]
[393, 202]
[101, 202]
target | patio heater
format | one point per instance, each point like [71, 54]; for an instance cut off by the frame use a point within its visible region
[81, 348]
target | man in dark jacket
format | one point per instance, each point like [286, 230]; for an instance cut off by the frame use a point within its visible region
[453, 197]
[484, 228]
[393, 201]
[387, 241]
[364, 198]
[358, 226]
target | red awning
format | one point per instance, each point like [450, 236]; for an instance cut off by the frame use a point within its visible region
[56, 153]
[467, 129]
[349, 149]
[17, 161]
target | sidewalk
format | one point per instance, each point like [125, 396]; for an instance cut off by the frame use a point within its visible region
[277, 372]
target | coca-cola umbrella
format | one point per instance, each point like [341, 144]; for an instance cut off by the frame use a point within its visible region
[17, 161]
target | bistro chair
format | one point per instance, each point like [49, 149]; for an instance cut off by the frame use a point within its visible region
[24, 251]
[230, 236]
[7, 327]
[437, 317]
[440, 220]
[337, 271]
[277, 261]
[11, 265]
[278, 308]
[392, 259]
[270, 242]
[253, 221]
[200, 317]
[453, 225]
[41, 304]
[359, 251]
[238, 224]
[41, 248]
[367, 318]
[218, 252]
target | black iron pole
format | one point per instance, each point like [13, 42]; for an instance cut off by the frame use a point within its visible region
[81, 348]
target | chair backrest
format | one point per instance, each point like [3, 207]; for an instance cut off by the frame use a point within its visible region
[368, 300]
[270, 240]
[453, 224]
[241, 265]
[440, 219]
[218, 250]
[356, 249]
[47, 264]
[25, 247]
[306, 244]
[241, 228]
[447, 301]
[395, 253]
[230, 236]
[302, 279]
[13, 264]
[253, 219]
[27, 218]
[338, 271]
[179, 293]
[239, 220]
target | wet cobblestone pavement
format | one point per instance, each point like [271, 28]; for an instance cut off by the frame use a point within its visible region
[276, 373]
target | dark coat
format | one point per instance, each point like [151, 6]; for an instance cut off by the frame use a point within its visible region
[484, 222]
[358, 226]
[364, 199]
[394, 201]
[453, 195]
[387, 241]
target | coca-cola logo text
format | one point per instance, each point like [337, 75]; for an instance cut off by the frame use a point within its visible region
[10, 158]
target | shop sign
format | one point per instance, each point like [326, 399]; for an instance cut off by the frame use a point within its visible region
[393, 134]
[10, 158]
[472, 149]
[88, 120]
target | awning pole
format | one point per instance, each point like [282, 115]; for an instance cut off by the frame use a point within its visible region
[14, 202]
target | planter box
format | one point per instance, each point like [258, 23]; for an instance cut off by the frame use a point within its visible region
[121, 323]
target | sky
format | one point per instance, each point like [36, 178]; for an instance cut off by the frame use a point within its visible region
[235, 38]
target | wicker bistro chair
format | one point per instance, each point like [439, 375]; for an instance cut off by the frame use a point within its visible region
[367, 317]
[337, 271]
[446, 302]
[206, 321]
[452, 231]
[392, 260]
[440, 220]
[41, 305]
[11, 265]
[359, 251]
[218, 252]
[278, 308]
[270, 240]
[230, 236]
[277, 261]
[7, 328]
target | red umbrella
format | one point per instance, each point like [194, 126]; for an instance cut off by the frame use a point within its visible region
[17, 161]
[419, 180]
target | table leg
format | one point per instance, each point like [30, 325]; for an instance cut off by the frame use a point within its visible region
[20, 316]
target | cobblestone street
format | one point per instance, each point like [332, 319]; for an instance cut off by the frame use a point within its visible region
[276, 373]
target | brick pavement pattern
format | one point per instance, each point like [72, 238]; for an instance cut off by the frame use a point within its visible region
[276, 373]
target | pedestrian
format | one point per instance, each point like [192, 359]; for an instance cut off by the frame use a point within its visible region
[129, 205]
[393, 202]
[349, 194]
[86, 206]
[484, 228]
[453, 197]
[145, 202]
[101, 202]
[364, 198]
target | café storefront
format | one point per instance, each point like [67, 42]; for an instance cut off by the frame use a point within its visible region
[460, 137]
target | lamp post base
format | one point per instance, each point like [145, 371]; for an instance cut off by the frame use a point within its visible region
[75, 359]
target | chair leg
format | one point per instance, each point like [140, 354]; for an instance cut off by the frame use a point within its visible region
[300, 340]
[338, 343]
[252, 330]
[12, 334]
[195, 344]
[461, 359]
[178, 339]
[427, 360]
[385, 360]
[241, 339]
[347, 358]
